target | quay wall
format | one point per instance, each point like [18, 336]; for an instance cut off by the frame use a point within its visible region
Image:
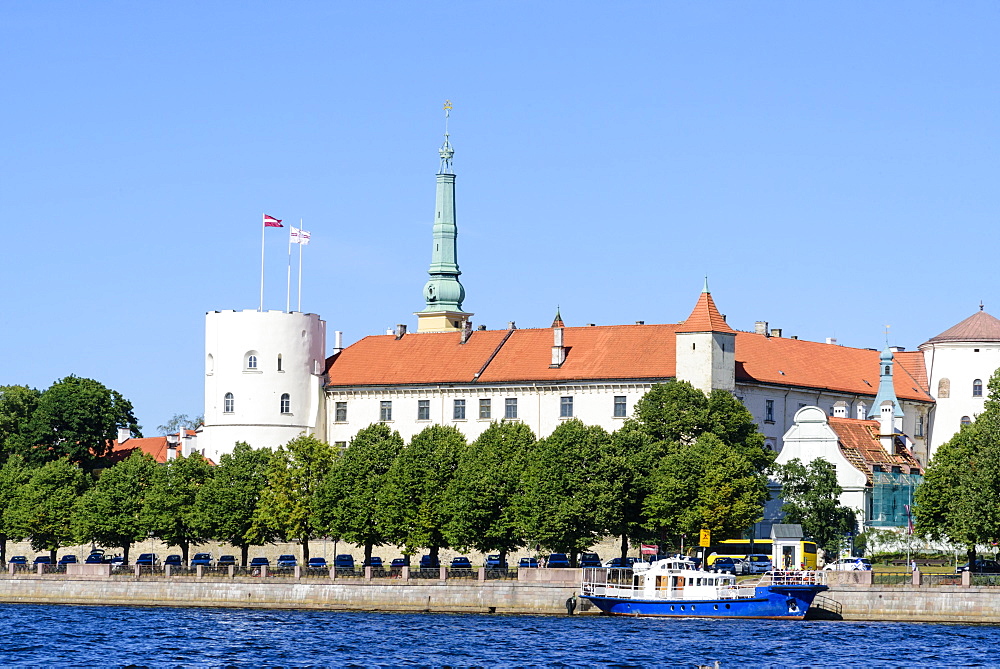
[545, 594]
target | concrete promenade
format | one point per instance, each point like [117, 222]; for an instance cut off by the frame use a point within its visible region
[851, 596]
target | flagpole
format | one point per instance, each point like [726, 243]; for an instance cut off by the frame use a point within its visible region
[262, 262]
[288, 279]
[300, 266]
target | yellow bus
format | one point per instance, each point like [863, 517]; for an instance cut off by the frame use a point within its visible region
[740, 548]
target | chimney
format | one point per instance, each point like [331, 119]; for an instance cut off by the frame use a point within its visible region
[793, 337]
[640, 322]
[466, 331]
[400, 330]
[124, 434]
[897, 349]
[172, 442]
[760, 327]
[511, 325]
[482, 328]
[776, 332]
[886, 425]
[338, 341]
[840, 409]
[558, 350]
[831, 340]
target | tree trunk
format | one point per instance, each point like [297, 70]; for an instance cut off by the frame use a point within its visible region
[3, 549]
[125, 550]
[185, 550]
[244, 555]
[971, 555]
[503, 556]
[305, 550]
[434, 554]
[368, 554]
[52, 554]
[624, 549]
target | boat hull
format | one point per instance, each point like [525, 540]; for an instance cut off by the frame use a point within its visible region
[771, 602]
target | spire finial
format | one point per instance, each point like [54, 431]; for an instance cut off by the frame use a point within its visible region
[887, 326]
[557, 322]
[446, 151]
[705, 289]
[981, 305]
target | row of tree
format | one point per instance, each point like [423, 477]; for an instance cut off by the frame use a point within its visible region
[685, 462]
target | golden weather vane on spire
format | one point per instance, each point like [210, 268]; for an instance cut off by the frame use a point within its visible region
[447, 105]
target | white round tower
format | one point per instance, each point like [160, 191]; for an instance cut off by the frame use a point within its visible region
[263, 378]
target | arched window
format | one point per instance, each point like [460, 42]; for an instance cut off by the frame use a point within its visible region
[887, 371]
[279, 362]
[286, 403]
[966, 420]
[251, 360]
[977, 388]
[210, 364]
[944, 388]
[229, 403]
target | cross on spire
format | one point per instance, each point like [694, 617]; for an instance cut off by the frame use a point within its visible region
[446, 149]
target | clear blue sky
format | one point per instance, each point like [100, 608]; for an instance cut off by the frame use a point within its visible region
[832, 167]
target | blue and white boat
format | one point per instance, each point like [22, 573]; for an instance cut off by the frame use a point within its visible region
[676, 587]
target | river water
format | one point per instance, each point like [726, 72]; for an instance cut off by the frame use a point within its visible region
[114, 635]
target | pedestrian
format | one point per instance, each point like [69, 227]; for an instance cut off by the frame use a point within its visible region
[571, 605]
[913, 565]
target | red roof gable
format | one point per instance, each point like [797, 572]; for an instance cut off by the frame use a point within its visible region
[705, 317]
[860, 444]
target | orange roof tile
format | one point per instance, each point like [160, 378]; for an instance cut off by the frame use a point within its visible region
[705, 317]
[153, 446]
[810, 364]
[861, 439]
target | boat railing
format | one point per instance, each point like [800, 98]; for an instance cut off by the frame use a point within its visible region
[792, 578]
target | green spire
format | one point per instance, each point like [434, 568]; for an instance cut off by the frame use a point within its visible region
[443, 291]
[705, 289]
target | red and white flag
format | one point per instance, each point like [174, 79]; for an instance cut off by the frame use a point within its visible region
[272, 222]
[649, 549]
[300, 236]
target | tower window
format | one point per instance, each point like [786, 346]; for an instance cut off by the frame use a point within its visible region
[769, 411]
[621, 407]
[510, 408]
[251, 361]
[966, 420]
[279, 362]
[458, 411]
[385, 411]
[340, 412]
[286, 403]
[228, 403]
[565, 407]
[920, 425]
[485, 408]
[977, 388]
[423, 409]
[887, 372]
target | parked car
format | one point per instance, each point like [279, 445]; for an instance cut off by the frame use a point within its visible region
[375, 562]
[68, 559]
[116, 562]
[173, 561]
[428, 562]
[18, 559]
[287, 561]
[147, 560]
[344, 561]
[528, 563]
[95, 558]
[226, 561]
[617, 562]
[494, 562]
[850, 564]
[43, 559]
[981, 567]
[557, 560]
[201, 560]
[317, 563]
[460, 562]
[590, 560]
[729, 565]
[758, 563]
[259, 562]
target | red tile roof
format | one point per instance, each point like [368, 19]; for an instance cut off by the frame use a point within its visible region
[615, 352]
[860, 444]
[980, 326]
[153, 446]
[705, 317]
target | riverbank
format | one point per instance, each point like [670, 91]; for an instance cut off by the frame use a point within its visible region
[851, 597]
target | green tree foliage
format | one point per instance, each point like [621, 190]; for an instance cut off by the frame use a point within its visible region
[811, 497]
[706, 485]
[957, 500]
[295, 473]
[79, 418]
[13, 475]
[178, 421]
[110, 514]
[170, 512]
[564, 493]
[43, 507]
[17, 407]
[416, 489]
[628, 465]
[225, 504]
[482, 496]
[348, 503]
